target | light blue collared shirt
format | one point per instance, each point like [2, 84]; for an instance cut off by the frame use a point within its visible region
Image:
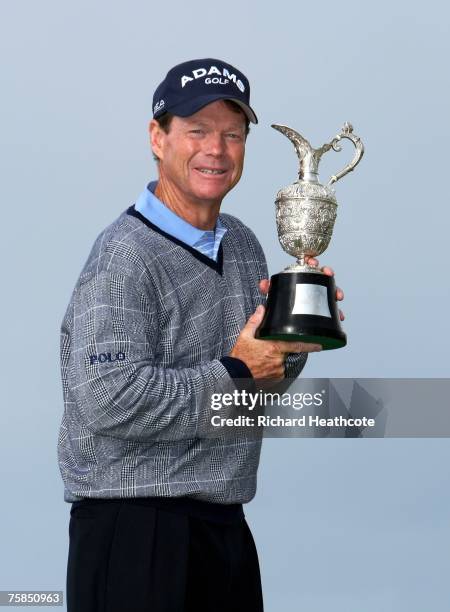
[205, 241]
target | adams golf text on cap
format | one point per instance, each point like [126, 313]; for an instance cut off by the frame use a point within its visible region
[190, 86]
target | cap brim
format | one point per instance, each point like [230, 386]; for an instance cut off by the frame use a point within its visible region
[186, 109]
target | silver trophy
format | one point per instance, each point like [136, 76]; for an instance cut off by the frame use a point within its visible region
[301, 304]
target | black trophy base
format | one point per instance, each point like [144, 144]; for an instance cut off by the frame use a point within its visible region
[301, 306]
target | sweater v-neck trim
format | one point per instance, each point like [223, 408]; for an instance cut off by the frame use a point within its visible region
[215, 265]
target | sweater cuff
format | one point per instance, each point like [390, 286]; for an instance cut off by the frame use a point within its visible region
[238, 372]
[236, 368]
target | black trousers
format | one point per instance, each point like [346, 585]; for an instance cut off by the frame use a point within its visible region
[150, 555]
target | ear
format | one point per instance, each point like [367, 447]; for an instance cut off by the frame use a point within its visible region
[156, 138]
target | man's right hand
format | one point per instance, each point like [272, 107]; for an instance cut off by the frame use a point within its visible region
[265, 358]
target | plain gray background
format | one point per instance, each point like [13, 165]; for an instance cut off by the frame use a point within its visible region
[343, 525]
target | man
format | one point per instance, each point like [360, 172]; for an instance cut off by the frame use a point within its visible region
[164, 314]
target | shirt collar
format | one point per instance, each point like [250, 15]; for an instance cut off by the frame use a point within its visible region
[158, 213]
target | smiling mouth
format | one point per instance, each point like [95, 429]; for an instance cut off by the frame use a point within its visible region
[211, 171]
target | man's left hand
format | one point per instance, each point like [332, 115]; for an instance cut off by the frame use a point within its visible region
[264, 284]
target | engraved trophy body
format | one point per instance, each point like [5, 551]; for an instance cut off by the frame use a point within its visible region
[301, 304]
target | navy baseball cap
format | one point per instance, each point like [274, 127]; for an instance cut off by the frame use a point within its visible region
[190, 86]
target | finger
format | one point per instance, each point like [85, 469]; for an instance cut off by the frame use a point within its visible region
[312, 261]
[253, 322]
[339, 294]
[341, 315]
[311, 348]
[264, 285]
[328, 271]
[296, 347]
[279, 373]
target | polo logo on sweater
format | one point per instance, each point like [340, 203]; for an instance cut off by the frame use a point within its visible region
[215, 80]
[106, 357]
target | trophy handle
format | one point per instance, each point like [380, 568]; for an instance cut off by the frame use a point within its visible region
[347, 132]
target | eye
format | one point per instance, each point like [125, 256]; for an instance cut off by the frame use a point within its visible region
[196, 131]
[233, 136]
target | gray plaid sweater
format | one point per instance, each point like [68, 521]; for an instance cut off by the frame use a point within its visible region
[144, 343]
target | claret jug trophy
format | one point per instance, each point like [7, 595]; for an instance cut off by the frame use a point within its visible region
[301, 304]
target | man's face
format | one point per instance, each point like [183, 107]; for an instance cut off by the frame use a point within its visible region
[202, 156]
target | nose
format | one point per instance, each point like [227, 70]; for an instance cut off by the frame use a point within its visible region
[215, 144]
